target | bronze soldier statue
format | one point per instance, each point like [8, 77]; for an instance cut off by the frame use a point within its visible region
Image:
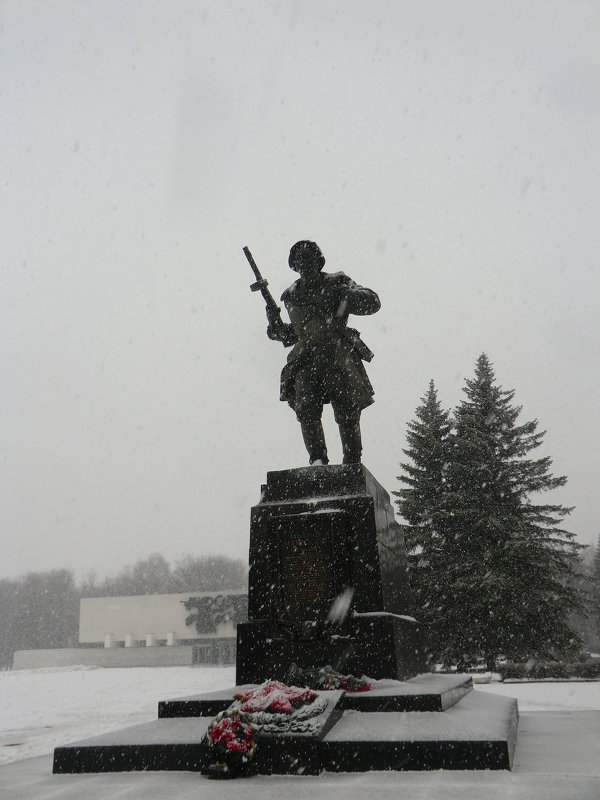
[325, 364]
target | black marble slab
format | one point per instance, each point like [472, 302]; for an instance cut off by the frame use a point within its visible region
[479, 732]
[429, 692]
[165, 744]
[179, 744]
[208, 704]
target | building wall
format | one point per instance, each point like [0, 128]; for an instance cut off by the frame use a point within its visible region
[130, 632]
[135, 618]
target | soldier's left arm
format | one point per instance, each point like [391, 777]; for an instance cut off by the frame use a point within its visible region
[358, 299]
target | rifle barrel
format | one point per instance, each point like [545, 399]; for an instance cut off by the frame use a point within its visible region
[252, 263]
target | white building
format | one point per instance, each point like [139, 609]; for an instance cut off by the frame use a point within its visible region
[150, 630]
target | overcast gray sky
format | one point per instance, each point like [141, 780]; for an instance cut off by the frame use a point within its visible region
[442, 153]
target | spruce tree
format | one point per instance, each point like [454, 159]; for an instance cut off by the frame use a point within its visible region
[508, 561]
[422, 503]
[595, 592]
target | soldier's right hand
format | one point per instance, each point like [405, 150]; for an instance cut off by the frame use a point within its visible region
[273, 316]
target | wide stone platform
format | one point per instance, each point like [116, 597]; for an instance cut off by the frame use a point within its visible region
[463, 729]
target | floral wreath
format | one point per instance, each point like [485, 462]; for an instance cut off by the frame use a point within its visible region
[272, 707]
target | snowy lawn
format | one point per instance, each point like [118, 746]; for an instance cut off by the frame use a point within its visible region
[43, 708]
[560, 696]
[40, 709]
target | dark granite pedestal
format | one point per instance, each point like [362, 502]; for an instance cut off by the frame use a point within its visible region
[321, 534]
[327, 586]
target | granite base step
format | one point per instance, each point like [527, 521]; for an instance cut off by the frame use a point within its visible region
[469, 730]
[429, 692]
[479, 732]
[179, 744]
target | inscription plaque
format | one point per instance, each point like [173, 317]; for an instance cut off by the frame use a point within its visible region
[313, 565]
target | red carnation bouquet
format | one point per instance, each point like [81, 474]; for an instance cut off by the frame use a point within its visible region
[326, 678]
[234, 746]
[233, 735]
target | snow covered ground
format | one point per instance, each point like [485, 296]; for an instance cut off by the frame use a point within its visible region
[43, 708]
[563, 696]
[557, 758]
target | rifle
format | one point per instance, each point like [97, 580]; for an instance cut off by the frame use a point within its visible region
[260, 285]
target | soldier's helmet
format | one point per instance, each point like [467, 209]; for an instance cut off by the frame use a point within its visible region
[306, 253]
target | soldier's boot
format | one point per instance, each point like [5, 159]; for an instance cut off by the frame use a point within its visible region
[314, 440]
[351, 441]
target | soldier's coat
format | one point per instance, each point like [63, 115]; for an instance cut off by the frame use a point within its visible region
[325, 364]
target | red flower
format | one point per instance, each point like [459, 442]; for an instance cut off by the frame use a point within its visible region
[366, 687]
[232, 734]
